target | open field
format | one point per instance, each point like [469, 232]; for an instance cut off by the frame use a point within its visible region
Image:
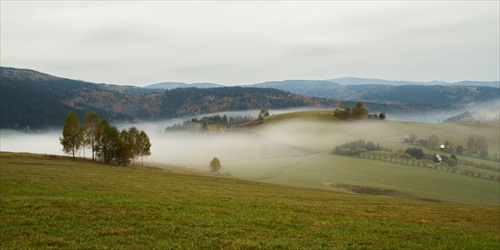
[318, 133]
[54, 202]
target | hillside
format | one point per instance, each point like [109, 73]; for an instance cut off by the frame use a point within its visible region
[383, 93]
[296, 149]
[51, 202]
[35, 100]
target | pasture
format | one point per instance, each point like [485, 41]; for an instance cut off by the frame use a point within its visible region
[57, 202]
[317, 133]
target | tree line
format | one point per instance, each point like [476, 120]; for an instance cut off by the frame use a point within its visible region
[412, 156]
[357, 147]
[202, 125]
[104, 140]
[358, 112]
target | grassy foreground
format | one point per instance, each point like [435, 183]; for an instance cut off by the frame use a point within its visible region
[49, 202]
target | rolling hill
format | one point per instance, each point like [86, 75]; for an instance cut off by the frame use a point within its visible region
[296, 149]
[35, 100]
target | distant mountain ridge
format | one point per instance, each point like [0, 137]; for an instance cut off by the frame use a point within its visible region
[374, 91]
[35, 100]
[175, 85]
[368, 81]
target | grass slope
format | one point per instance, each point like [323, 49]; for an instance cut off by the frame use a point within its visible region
[49, 202]
[319, 132]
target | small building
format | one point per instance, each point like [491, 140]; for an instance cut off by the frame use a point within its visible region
[442, 147]
[437, 159]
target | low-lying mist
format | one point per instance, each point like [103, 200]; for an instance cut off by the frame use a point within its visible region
[187, 148]
[485, 112]
[278, 140]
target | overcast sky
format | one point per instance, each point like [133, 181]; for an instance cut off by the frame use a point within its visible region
[233, 43]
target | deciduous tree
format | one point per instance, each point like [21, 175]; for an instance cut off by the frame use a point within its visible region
[143, 145]
[433, 142]
[215, 164]
[91, 126]
[72, 135]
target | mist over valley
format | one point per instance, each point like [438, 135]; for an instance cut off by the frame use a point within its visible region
[249, 125]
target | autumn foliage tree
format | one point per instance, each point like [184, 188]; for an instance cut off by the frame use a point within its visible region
[359, 112]
[143, 146]
[72, 135]
[106, 141]
[91, 128]
[433, 142]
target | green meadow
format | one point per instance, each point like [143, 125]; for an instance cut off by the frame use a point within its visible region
[318, 133]
[296, 196]
[52, 202]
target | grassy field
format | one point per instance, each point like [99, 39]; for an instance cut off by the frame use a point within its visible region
[53, 202]
[318, 132]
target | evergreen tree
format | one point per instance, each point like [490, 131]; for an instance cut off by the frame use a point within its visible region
[72, 135]
[225, 121]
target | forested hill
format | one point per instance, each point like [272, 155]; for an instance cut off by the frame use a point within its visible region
[436, 95]
[37, 100]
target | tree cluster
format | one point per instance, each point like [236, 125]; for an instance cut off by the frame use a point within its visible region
[416, 153]
[359, 112]
[203, 123]
[478, 145]
[356, 148]
[104, 140]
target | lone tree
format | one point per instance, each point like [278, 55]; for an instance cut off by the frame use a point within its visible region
[72, 135]
[215, 164]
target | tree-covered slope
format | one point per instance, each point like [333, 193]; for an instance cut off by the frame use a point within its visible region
[436, 95]
[37, 100]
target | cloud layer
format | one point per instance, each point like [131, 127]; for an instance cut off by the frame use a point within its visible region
[243, 42]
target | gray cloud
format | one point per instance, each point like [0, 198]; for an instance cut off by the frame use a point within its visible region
[244, 42]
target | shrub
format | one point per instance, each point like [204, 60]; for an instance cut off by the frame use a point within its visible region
[416, 153]
[215, 164]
